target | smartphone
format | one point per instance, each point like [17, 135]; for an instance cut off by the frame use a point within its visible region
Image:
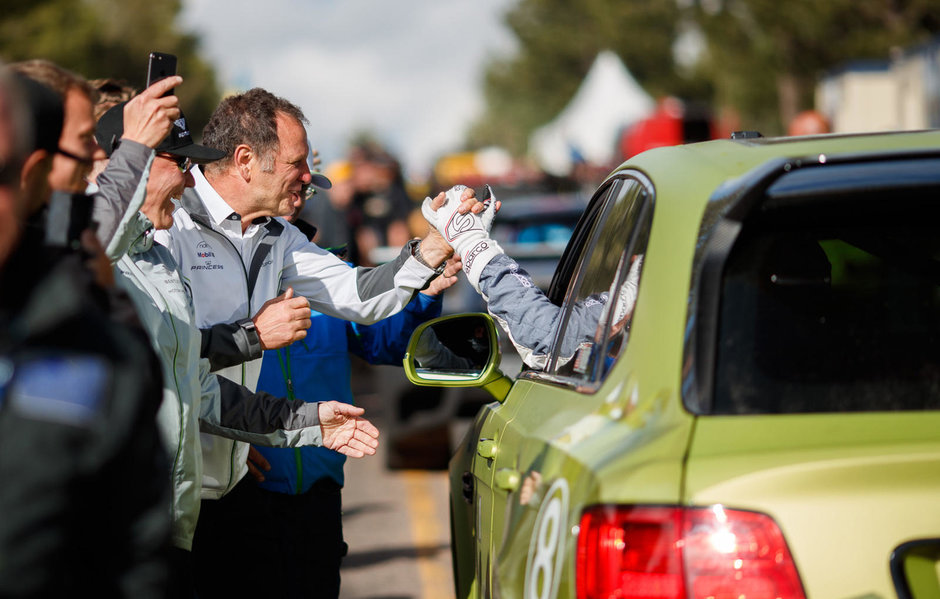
[159, 67]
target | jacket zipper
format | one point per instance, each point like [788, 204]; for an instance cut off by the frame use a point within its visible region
[231, 472]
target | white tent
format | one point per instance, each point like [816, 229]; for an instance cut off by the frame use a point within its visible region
[608, 100]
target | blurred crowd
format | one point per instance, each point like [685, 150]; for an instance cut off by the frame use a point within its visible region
[368, 206]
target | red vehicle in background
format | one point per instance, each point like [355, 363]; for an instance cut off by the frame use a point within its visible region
[672, 123]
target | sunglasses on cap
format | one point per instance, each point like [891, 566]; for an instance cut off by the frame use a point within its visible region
[184, 163]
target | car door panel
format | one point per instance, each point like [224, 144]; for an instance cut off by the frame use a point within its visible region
[530, 530]
[489, 443]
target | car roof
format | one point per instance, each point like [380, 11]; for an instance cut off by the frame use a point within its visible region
[693, 182]
[696, 170]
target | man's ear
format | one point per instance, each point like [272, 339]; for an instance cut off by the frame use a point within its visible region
[34, 179]
[242, 159]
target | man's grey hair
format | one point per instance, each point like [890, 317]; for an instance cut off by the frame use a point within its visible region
[249, 118]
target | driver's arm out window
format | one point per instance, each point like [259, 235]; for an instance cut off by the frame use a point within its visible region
[600, 300]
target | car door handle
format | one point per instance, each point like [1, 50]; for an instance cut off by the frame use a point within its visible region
[507, 479]
[467, 487]
[486, 448]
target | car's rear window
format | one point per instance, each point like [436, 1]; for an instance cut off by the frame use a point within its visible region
[832, 304]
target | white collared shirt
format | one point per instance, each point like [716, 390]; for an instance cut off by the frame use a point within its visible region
[222, 215]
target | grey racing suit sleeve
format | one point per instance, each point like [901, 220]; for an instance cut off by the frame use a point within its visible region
[529, 318]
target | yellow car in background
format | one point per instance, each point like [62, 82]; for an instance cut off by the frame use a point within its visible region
[763, 422]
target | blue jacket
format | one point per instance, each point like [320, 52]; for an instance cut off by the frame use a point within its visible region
[318, 368]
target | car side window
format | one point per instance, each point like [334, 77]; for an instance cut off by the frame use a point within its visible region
[601, 296]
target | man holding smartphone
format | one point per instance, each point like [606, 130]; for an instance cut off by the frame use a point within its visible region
[77, 150]
[195, 400]
[238, 257]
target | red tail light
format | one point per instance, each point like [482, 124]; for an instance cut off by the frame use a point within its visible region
[647, 552]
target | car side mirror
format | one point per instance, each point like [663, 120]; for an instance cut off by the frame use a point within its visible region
[460, 350]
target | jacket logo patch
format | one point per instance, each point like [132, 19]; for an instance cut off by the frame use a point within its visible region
[205, 254]
[204, 250]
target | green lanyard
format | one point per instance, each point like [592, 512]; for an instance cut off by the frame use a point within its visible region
[285, 371]
[284, 361]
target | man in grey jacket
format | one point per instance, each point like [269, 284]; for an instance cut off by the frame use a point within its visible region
[237, 258]
[194, 400]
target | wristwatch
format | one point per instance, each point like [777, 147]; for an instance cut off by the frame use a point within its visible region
[251, 336]
[248, 324]
[416, 252]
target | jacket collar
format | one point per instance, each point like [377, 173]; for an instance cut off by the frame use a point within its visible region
[203, 202]
[144, 240]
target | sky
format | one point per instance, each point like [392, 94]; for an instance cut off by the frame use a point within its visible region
[408, 71]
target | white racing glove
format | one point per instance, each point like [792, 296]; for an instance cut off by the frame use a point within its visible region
[468, 234]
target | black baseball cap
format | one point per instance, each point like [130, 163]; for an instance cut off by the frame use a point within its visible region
[179, 142]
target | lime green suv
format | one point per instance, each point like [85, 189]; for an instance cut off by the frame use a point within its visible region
[762, 421]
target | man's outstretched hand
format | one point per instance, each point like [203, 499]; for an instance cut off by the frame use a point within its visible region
[447, 279]
[345, 431]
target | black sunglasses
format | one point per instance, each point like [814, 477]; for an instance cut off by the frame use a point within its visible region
[78, 159]
[184, 163]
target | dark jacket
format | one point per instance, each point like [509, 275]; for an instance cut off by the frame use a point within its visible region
[85, 492]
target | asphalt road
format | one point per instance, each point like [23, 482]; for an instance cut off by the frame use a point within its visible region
[395, 523]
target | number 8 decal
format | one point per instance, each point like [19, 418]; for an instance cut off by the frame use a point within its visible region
[547, 547]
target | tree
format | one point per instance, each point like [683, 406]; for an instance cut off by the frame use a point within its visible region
[110, 38]
[761, 58]
[765, 57]
[558, 42]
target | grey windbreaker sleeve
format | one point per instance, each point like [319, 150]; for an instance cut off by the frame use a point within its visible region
[232, 411]
[375, 292]
[527, 315]
[122, 188]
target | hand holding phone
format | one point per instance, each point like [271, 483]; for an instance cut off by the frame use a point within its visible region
[149, 116]
[160, 66]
